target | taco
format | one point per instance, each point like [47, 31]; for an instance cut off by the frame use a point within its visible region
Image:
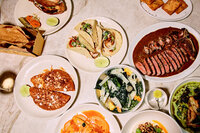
[99, 35]
[81, 46]
[87, 29]
[111, 41]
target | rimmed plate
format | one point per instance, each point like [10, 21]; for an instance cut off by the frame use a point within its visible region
[187, 80]
[34, 67]
[140, 79]
[86, 64]
[114, 127]
[162, 15]
[155, 27]
[149, 115]
[24, 8]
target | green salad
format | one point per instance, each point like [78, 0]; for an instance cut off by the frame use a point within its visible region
[119, 89]
[185, 106]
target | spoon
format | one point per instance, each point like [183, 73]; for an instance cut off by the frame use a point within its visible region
[157, 95]
[157, 100]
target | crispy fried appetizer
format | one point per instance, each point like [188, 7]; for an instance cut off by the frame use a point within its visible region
[171, 5]
[156, 4]
[182, 7]
[148, 2]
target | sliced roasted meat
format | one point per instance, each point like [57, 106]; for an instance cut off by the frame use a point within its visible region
[168, 39]
[146, 65]
[181, 54]
[147, 50]
[173, 56]
[164, 62]
[168, 62]
[184, 53]
[167, 51]
[177, 55]
[141, 67]
[158, 71]
[183, 33]
[160, 65]
[161, 41]
[154, 46]
[171, 61]
[174, 35]
[188, 45]
[151, 66]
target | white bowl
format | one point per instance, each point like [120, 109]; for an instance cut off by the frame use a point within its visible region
[151, 100]
[149, 115]
[140, 78]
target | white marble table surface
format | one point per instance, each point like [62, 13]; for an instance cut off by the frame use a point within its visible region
[126, 12]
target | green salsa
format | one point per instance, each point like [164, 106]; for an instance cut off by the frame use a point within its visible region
[186, 103]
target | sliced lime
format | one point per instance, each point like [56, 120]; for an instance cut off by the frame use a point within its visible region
[52, 21]
[24, 90]
[157, 94]
[101, 61]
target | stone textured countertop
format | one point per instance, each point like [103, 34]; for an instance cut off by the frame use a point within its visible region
[126, 12]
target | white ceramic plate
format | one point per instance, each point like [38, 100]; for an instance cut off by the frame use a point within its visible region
[195, 79]
[140, 79]
[155, 27]
[149, 115]
[162, 15]
[114, 127]
[24, 8]
[86, 64]
[34, 67]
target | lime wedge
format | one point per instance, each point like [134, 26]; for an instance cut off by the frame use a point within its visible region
[157, 94]
[101, 61]
[52, 21]
[24, 90]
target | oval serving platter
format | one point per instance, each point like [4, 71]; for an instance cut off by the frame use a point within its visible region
[156, 27]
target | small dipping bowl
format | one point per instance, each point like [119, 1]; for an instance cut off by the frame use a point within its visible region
[7, 81]
[151, 100]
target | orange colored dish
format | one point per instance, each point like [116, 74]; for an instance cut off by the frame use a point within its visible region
[87, 121]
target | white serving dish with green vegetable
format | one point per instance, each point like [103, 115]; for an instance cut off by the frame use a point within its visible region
[120, 89]
[185, 104]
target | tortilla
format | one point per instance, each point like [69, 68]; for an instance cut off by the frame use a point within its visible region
[13, 35]
[92, 37]
[99, 34]
[81, 50]
[118, 42]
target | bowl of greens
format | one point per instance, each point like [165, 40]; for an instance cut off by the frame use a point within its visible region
[120, 89]
[185, 104]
